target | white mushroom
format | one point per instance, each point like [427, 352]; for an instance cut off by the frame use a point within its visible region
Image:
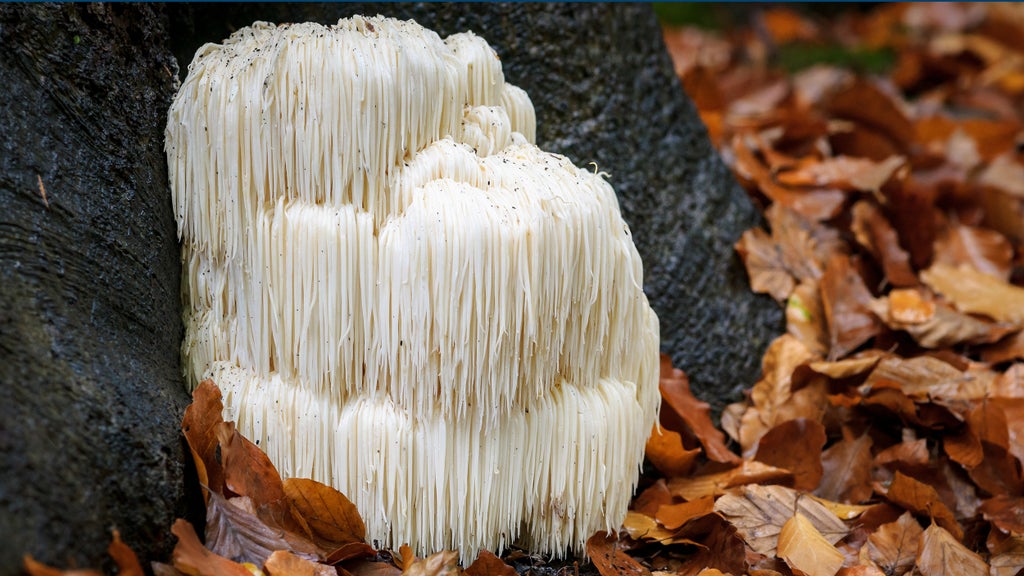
[401, 295]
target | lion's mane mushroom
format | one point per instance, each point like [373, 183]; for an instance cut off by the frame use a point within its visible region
[401, 295]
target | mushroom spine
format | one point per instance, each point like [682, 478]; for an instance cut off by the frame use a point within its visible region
[401, 295]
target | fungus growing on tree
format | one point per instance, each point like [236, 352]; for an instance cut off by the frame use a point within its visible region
[402, 296]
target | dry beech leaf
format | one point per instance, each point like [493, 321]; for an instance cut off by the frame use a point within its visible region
[284, 563]
[975, 292]
[764, 265]
[1009, 348]
[444, 563]
[652, 498]
[926, 377]
[642, 527]
[666, 451]
[942, 554]
[984, 250]
[161, 569]
[487, 564]
[846, 302]
[795, 445]
[934, 325]
[125, 558]
[1006, 554]
[720, 548]
[331, 517]
[192, 558]
[846, 470]
[35, 568]
[673, 516]
[1005, 513]
[367, 568]
[921, 498]
[758, 513]
[805, 317]
[805, 550]
[843, 172]
[894, 546]
[235, 532]
[200, 423]
[675, 391]
[610, 560]
[748, 472]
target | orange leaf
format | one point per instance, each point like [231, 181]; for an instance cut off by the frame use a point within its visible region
[874, 232]
[200, 423]
[444, 563]
[1005, 513]
[675, 391]
[193, 559]
[748, 472]
[125, 558]
[673, 516]
[332, 518]
[805, 550]
[652, 498]
[795, 445]
[666, 451]
[721, 549]
[920, 498]
[283, 563]
[844, 172]
[36, 568]
[759, 512]
[942, 554]
[977, 293]
[984, 250]
[846, 302]
[610, 560]
[487, 564]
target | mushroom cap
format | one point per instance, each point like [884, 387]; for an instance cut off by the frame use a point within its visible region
[401, 295]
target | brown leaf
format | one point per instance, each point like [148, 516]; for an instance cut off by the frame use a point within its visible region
[610, 560]
[1009, 348]
[1006, 513]
[36, 568]
[795, 445]
[921, 498]
[909, 453]
[863, 102]
[193, 559]
[673, 516]
[894, 545]
[983, 249]
[721, 549]
[847, 470]
[764, 265]
[675, 391]
[926, 377]
[748, 472]
[843, 172]
[759, 512]
[1003, 196]
[977, 293]
[652, 498]
[487, 564]
[235, 532]
[161, 569]
[283, 563]
[125, 558]
[1007, 554]
[805, 317]
[873, 231]
[805, 550]
[331, 517]
[200, 423]
[440, 564]
[942, 554]
[642, 527]
[367, 568]
[846, 302]
[934, 325]
[666, 451]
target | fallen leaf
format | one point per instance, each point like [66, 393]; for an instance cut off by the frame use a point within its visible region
[934, 325]
[666, 451]
[125, 558]
[748, 472]
[200, 423]
[652, 498]
[795, 445]
[894, 546]
[331, 517]
[1005, 513]
[983, 249]
[673, 516]
[367, 568]
[846, 301]
[487, 564]
[942, 554]
[1009, 348]
[36, 568]
[874, 232]
[236, 533]
[805, 550]
[284, 563]
[920, 498]
[721, 549]
[805, 317]
[444, 563]
[193, 559]
[610, 559]
[642, 527]
[161, 569]
[975, 292]
[863, 102]
[846, 469]
[844, 172]
[1006, 554]
[758, 513]
[926, 377]
[909, 453]
[675, 391]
